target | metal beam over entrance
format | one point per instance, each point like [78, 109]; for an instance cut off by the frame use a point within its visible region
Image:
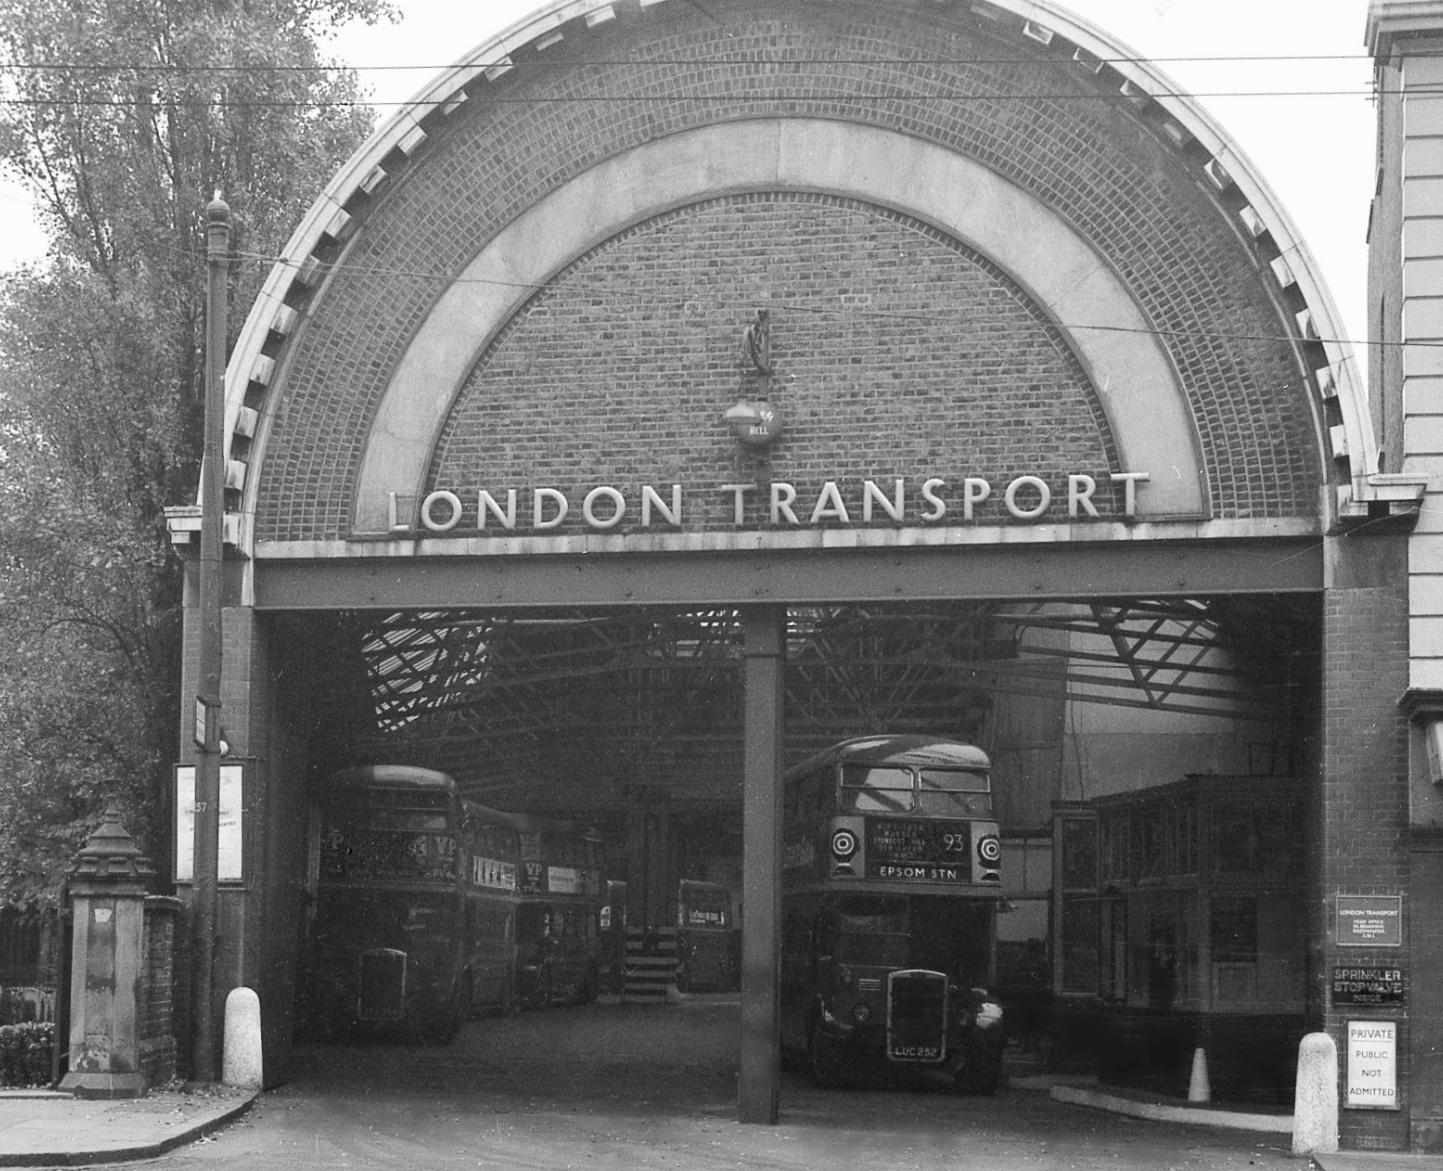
[898, 573]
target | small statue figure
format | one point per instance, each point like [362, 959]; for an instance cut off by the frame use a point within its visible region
[757, 343]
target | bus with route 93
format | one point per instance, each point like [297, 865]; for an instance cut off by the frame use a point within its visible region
[890, 887]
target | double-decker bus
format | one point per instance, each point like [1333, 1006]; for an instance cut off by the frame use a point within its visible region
[558, 920]
[707, 943]
[890, 886]
[413, 926]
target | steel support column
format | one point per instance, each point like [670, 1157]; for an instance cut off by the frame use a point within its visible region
[764, 630]
[205, 1040]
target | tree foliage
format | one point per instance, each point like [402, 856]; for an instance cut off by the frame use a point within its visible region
[126, 117]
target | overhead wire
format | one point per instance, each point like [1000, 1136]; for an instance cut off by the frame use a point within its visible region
[869, 98]
[1364, 91]
[735, 59]
[776, 62]
[451, 278]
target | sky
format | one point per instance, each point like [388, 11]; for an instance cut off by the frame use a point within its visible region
[1287, 80]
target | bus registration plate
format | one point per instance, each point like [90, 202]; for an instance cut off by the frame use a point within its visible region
[917, 1016]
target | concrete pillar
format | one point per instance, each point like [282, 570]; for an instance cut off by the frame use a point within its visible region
[764, 648]
[107, 893]
[241, 1061]
[1315, 1099]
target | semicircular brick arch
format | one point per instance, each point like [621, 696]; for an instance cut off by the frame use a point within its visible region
[1020, 131]
[1129, 369]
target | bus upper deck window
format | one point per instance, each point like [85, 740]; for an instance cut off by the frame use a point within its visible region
[876, 790]
[955, 780]
[955, 792]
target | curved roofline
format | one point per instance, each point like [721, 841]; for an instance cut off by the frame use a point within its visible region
[1218, 160]
[903, 748]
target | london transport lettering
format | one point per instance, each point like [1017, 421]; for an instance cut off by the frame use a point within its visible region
[777, 503]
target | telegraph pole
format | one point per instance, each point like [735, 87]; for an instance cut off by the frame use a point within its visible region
[204, 1059]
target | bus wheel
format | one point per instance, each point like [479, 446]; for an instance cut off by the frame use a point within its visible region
[827, 1063]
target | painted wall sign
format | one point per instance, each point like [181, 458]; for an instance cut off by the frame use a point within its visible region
[928, 501]
[1372, 1065]
[1367, 985]
[1370, 920]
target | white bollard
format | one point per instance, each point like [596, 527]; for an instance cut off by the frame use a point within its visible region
[1199, 1089]
[241, 1054]
[1315, 1100]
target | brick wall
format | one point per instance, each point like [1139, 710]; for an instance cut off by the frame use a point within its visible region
[1364, 798]
[159, 974]
[935, 74]
[955, 374]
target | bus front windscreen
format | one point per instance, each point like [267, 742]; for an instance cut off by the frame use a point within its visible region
[914, 931]
[872, 929]
[951, 935]
[407, 921]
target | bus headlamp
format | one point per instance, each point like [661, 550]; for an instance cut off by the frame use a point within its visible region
[861, 1013]
[989, 1015]
[844, 974]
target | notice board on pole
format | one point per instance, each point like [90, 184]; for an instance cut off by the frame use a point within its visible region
[229, 857]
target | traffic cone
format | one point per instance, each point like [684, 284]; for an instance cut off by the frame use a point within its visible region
[1198, 1089]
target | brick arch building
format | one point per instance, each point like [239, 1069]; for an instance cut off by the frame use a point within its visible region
[1030, 329]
